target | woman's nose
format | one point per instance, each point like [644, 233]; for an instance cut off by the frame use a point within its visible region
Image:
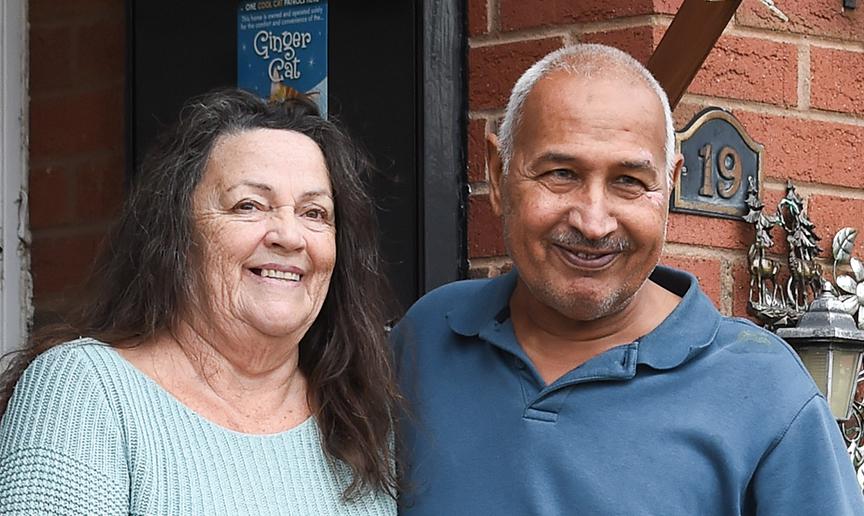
[285, 231]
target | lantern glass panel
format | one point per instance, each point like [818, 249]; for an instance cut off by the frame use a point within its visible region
[816, 361]
[845, 370]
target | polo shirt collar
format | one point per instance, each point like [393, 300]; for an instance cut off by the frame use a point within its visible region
[475, 312]
[690, 328]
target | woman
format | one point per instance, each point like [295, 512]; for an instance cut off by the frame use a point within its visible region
[234, 359]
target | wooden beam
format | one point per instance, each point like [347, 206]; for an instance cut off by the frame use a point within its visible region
[687, 42]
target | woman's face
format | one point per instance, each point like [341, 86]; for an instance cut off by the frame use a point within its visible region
[266, 230]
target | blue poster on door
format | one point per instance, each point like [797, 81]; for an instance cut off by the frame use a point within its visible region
[282, 48]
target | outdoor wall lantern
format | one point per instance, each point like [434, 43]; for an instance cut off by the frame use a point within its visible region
[830, 345]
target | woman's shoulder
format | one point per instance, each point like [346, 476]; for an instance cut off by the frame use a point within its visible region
[80, 359]
[60, 429]
[60, 381]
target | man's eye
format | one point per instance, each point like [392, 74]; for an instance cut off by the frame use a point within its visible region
[630, 181]
[562, 173]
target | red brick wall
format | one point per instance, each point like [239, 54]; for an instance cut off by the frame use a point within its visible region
[77, 62]
[797, 87]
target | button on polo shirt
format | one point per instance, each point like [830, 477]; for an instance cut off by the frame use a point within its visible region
[682, 421]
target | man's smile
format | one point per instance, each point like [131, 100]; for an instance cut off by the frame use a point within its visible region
[587, 259]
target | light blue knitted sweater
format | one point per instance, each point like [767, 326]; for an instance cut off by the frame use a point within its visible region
[88, 433]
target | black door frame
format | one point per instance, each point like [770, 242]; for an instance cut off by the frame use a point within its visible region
[444, 255]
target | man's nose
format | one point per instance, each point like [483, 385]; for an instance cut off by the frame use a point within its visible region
[285, 230]
[592, 214]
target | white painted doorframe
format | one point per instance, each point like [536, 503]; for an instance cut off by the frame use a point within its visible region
[15, 284]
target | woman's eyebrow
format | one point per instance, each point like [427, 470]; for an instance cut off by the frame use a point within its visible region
[311, 194]
[258, 186]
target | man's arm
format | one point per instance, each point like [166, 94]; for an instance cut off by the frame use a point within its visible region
[808, 471]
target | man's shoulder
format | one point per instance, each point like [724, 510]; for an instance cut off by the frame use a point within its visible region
[431, 319]
[764, 358]
[446, 298]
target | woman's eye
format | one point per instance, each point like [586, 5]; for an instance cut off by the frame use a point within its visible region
[247, 207]
[316, 214]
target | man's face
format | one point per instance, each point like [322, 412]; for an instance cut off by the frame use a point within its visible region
[584, 201]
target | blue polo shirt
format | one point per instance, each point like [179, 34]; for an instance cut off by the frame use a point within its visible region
[704, 415]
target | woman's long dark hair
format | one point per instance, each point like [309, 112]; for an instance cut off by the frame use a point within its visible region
[140, 282]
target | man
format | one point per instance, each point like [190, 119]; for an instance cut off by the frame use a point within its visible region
[589, 380]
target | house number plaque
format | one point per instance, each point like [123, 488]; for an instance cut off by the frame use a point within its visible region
[719, 159]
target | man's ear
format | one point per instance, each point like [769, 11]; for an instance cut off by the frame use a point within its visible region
[676, 169]
[496, 172]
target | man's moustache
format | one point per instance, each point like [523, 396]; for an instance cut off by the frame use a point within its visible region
[575, 239]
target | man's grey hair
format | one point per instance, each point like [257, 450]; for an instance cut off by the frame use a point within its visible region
[581, 60]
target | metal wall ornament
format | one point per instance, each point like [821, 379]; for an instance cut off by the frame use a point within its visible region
[776, 299]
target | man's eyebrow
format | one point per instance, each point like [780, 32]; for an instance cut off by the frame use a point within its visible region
[556, 157]
[560, 157]
[639, 164]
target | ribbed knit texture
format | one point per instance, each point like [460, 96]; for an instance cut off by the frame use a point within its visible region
[88, 433]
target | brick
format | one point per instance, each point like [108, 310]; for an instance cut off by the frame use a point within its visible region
[684, 113]
[99, 190]
[60, 263]
[519, 14]
[667, 6]
[77, 123]
[493, 70]
[750, 69]
[837, 80]
[49, 196]
[639, 42]
[489, 270]
[807, 150]
[484, 229]
[708, 231]
[476, 151]
[483, 272]
[830, 214]
[101, 52]
[707, 270]
[477, 19]
[50, 58]
[479, 272]
[52, 11]
[811, 17]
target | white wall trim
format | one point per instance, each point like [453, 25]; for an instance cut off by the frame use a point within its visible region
[15, 283]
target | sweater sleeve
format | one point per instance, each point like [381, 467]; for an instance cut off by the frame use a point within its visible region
[808, 471]
[62, 451]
